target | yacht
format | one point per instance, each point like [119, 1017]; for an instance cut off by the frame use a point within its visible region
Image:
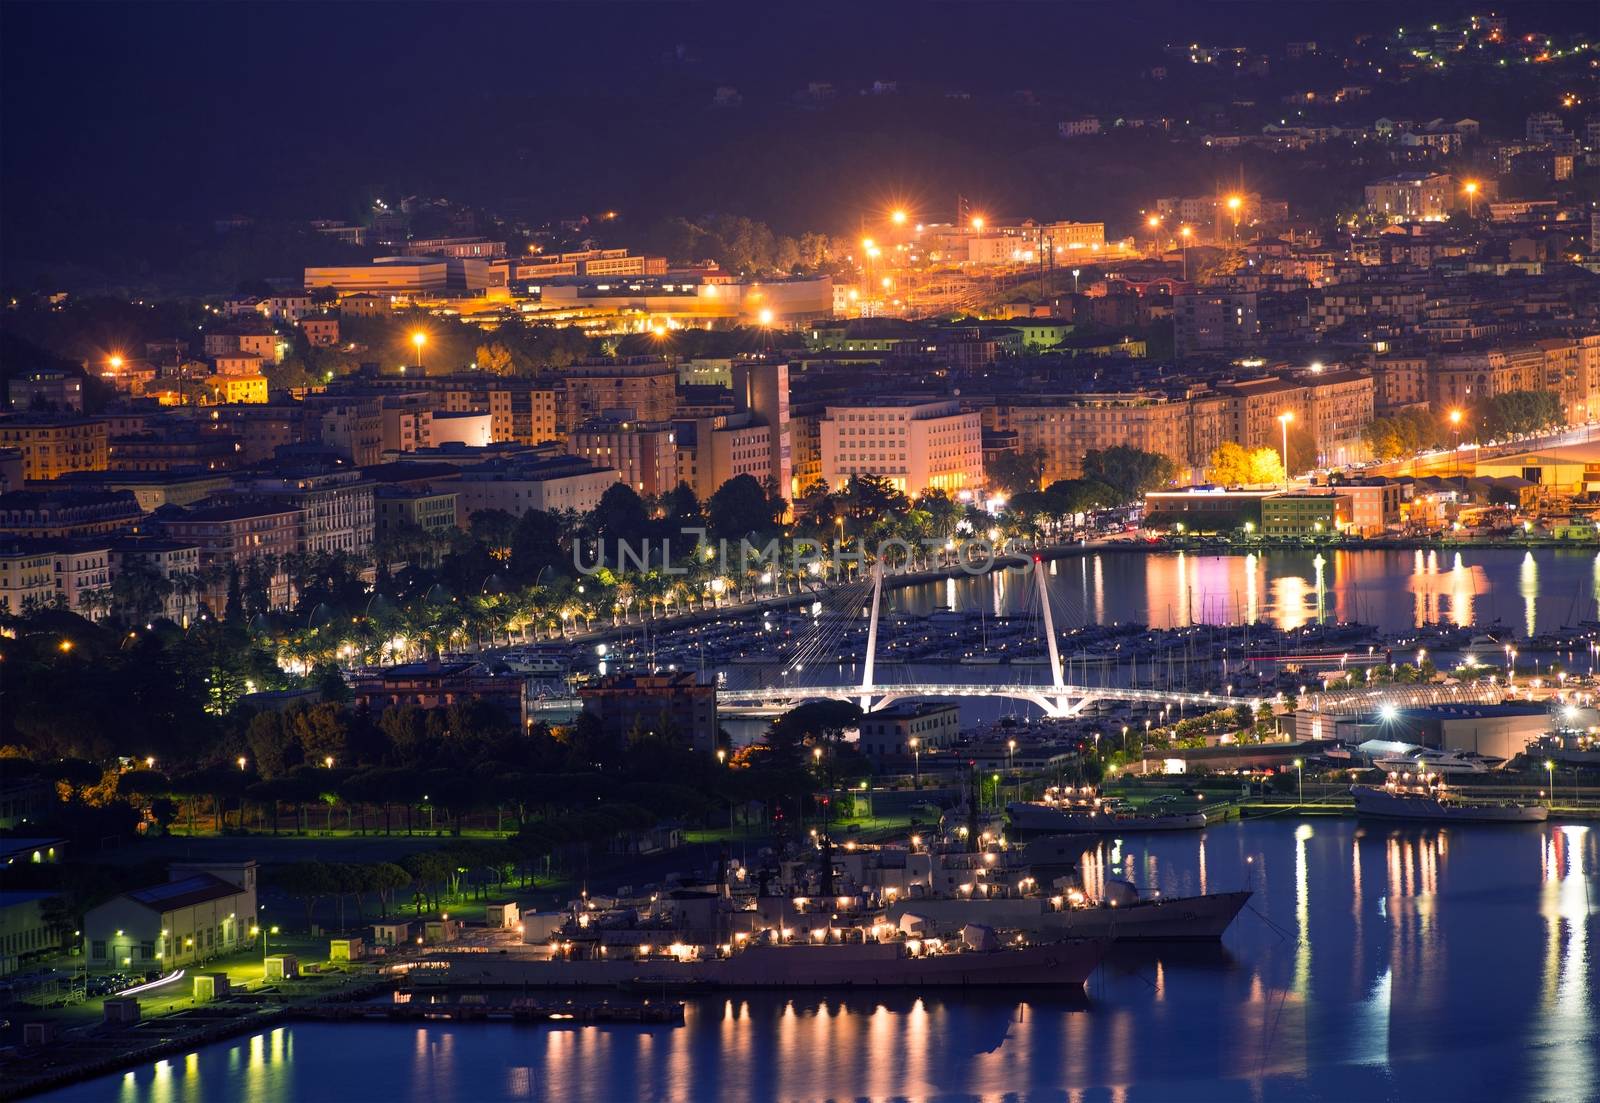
[1424, 797]
[1447, 763]
[699, 940]
[1083, 809]
[534, 662]
[1038, 888]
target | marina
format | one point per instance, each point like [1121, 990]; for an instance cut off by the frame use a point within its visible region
[1355, 973]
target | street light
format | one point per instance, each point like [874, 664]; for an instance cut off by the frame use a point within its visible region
[242, 762]
[1075, 281]
[977, 222]
[1550, 769]
[1471, 189]
[1185, 232]
[419, 339]
[898, 216]
[1235, 204]
[722, 756]
[1299, 774]
[916, 762]
[1284, 419]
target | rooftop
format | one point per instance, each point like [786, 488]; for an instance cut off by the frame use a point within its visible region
[172, 895]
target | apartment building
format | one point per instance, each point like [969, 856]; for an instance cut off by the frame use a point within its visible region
[915, 443]
[564, 483]
[711, 450]
[644, 385]
[1412, 197]
[645, 453]
[336, 507]
[53, 446]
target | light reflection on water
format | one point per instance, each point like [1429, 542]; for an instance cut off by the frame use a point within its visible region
[1375, 963]
[1531, 592]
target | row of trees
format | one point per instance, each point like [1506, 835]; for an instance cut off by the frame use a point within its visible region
[746, 246]
[1417, 429]
[1232, 464]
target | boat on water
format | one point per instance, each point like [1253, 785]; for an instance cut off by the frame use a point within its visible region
[1118, 915]
[534, 662]
[1038, 888]
[1424, 797]
[1437, 762]
[694, 940]
[1070, 809]
[894, 961]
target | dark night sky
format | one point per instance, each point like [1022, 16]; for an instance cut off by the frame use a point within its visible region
[126, 118]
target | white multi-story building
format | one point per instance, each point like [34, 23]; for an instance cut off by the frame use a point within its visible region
[916, 443]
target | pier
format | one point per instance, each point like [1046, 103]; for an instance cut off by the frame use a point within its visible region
[468, 1010]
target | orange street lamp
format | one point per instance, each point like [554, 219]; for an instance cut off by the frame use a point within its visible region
[1471, 189]
[977, 222]
[1284, 419]
[1186, 232]
[897, 216]
[115, 362]
[419, 339]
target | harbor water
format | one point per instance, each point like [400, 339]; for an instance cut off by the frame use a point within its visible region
[1528, 592]
[1375, 963]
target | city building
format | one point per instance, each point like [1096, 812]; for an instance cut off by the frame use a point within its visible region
[567, 483]
[335, 506]
[1412, 197]
[67, 512]
[1206, 509]
[402, 276]
[46, 391]
[201, 912]
[711, 450]
[27, 576]
[892, 730]
[917, 444]
[27, 931]
[53, 445]
[429, 509]
[644, 453]
[677, 706]
[1215, 321]
[1305, 513]
[434, 685]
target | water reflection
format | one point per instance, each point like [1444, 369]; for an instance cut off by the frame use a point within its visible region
[1374, 963]
[1528, 587]
[1292, 587]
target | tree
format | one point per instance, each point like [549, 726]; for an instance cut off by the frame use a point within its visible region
[308, 882]
[620, 517]
[1016, 472]
[1233, 465]
[493, 529]
[535, 545]
[139, 592]
[1130, 471]
[738, 508]
[495, 358]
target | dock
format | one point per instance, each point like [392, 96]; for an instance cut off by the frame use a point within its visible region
[515, 1011]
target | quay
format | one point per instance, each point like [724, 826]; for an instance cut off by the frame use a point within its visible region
[467, 1010]
[84, 1052]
